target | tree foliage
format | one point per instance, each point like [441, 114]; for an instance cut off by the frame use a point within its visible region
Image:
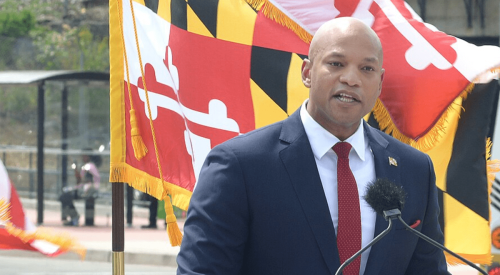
[16, 24]
[66, 47]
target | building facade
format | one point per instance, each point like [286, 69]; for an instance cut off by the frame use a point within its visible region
[475, 21]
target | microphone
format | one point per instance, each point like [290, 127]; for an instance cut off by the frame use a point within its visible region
[387, 200]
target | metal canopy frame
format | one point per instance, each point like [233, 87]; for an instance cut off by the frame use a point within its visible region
[33, 77]
[38, 78]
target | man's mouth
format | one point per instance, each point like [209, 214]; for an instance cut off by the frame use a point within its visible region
[345, 98]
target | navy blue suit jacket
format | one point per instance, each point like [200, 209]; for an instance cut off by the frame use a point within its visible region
[259, 208]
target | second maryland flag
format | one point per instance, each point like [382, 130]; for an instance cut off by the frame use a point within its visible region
[206, 69]
[187, 75]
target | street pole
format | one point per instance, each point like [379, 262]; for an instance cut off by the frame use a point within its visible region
[64, 145]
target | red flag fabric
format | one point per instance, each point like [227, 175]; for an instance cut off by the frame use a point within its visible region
[211, 111]
[18, 232]
[426, 70]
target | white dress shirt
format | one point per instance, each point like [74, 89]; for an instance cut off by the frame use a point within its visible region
[362, 166]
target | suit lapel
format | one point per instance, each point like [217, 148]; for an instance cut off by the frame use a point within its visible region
[299, 161]
[385, 167]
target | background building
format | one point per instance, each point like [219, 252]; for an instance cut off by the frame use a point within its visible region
[475, 21]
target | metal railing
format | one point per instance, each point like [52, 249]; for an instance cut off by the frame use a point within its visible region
[20, 162]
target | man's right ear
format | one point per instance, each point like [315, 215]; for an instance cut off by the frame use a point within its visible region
[306, 73]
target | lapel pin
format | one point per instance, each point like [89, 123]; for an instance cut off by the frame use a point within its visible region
[392, 161]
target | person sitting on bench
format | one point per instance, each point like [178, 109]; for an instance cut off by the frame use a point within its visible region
[88, 181]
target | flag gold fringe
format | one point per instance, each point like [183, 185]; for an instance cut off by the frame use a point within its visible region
[426, 142]
[387, 125]
[142, 181]
[475, 258]
[153, 186]
[64, 241]
[274, 13]
[492, 165]
[137, 179]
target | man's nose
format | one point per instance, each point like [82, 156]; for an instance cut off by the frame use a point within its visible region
[350, 76]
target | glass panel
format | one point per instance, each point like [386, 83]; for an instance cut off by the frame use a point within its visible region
[87, 127]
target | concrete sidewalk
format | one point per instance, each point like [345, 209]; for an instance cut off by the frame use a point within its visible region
[142, 246]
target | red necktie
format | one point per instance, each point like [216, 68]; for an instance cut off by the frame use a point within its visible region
[349, 226]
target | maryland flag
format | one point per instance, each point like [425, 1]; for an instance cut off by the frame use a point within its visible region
[187, 75]
[18, 232]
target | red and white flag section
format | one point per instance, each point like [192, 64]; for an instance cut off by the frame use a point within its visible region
[18, 232]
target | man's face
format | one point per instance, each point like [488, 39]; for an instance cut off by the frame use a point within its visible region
[345, 77]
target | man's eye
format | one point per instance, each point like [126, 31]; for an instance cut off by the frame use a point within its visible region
[368, 68]
[336, 64]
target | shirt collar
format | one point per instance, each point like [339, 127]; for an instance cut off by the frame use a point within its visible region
[322, 141]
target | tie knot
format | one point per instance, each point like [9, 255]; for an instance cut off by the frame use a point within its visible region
[342, 149]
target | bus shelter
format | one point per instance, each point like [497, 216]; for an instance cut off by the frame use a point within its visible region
[65, 81]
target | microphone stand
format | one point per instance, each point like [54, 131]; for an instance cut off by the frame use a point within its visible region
[438, 245]
[389, 216]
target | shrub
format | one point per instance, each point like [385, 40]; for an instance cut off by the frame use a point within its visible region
[16, 24]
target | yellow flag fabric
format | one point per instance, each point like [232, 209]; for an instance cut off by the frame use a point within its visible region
[469, 175]
[462, 166]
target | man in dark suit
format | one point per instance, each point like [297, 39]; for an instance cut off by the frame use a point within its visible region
[267, 202]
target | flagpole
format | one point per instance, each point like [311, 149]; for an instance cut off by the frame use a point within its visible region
[117, 228]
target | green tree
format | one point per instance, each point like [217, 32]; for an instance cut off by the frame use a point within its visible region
[95, 53]
[70, 47]
[13, 25]
[16, 24]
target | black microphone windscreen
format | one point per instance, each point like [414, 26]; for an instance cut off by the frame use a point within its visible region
[383, 195]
